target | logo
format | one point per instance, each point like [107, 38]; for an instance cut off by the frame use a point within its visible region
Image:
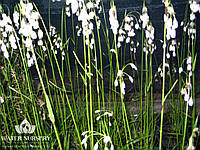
[29, 141]
[25, 127]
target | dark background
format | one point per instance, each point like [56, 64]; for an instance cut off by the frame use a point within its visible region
[155, 10]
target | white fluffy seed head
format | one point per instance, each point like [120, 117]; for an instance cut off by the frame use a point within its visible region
[97, 111]
[190, 102]
[106, 139]
[116, 83]
[98, 118]
[96, 146]
[133, 66]
[1, 100]
[119, 73]
[131, 79]
[84, 133]
[180, 70]
[112, 147]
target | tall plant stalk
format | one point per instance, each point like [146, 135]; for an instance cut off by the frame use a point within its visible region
[163, 81]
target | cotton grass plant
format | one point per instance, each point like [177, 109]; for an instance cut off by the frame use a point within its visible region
[81, 102]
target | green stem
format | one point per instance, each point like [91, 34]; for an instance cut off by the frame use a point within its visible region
[163, 83]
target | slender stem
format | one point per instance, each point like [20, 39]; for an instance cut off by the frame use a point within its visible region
[185, 126]
[163, 83]
[141, 83]
[193, 82]
[90, 95]
[64, 88]
[147, 99]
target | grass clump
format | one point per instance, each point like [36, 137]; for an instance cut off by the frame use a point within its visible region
[85, 87]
